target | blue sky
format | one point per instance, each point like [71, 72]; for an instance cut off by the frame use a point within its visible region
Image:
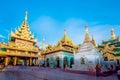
[48, 18]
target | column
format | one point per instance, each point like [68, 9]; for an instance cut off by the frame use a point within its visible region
[69, 62]
[62, 63]
[30, 61]
[6, 61]
[15, 61]
[36, 61]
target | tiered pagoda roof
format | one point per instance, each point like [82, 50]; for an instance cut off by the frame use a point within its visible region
[93, 41]
[65, 44]
[111, 46]
[22, 40]
[87, 38]
[24, 32]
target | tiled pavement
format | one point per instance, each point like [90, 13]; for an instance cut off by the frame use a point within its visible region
[39, 73]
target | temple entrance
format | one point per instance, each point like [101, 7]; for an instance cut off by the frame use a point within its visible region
[2, 61]
[58, 62]
[118, 62]
[22, 61]
[11, 61]
[65, 62]
[34, 62]
[71, 62]
[47, 62]
[105, 59]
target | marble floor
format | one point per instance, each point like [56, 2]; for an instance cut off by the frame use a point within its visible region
[40, 73]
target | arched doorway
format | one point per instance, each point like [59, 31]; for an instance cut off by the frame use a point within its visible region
[21, 61]
[11, 60]
[105, 59]
[57, 62]
[47, 62]
[71, 62]
[2, 60]
[118, 62]
[65, 62]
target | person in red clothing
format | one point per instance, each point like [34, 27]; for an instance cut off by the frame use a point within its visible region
[98, 70]
[111, 69]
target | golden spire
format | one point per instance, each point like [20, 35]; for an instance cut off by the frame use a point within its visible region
[64, 32]
[26, 15]
[92, 37]
[24, 32]
[65, 40]
[112, 34]
[43, 44]
[3, 40]
[93, 41]
[11, 31]
[87, 39]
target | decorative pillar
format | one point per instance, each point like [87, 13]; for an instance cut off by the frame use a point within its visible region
[62, 63]
[69, 62]
[15, 61]
[36, 61]
[30, 61]
[6, 61]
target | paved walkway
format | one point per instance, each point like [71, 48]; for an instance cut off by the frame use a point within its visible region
[37, 73]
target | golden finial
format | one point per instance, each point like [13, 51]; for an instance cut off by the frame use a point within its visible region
[86, 29]
[93, 41]
[92, 37]
[26, 15]
[16, 30]
[112, 34]
[64, 31]
[65, 40]
[87, 39]
[11, 31]
[2, 40]
[43, 44]
[8, 36]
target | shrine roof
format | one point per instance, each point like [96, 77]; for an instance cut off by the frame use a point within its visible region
[117, 54]
[109, 41]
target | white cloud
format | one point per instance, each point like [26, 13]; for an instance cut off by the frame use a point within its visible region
[45, 23]
[52, 30]
[1, 36]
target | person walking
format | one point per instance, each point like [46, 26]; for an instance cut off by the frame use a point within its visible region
[98, 70]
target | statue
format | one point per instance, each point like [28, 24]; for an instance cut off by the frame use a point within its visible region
[82, 60]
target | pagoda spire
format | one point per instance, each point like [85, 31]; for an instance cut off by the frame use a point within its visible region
[112, 34]
[43, 44]
[87, 39]
[92, 37]
[26, 15]
[23, 31]
[65, 40]
[64, 32]
[93, 40]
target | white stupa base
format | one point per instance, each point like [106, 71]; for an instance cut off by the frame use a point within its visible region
[84, 67]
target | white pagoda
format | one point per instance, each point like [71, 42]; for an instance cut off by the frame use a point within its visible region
[88, 56]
